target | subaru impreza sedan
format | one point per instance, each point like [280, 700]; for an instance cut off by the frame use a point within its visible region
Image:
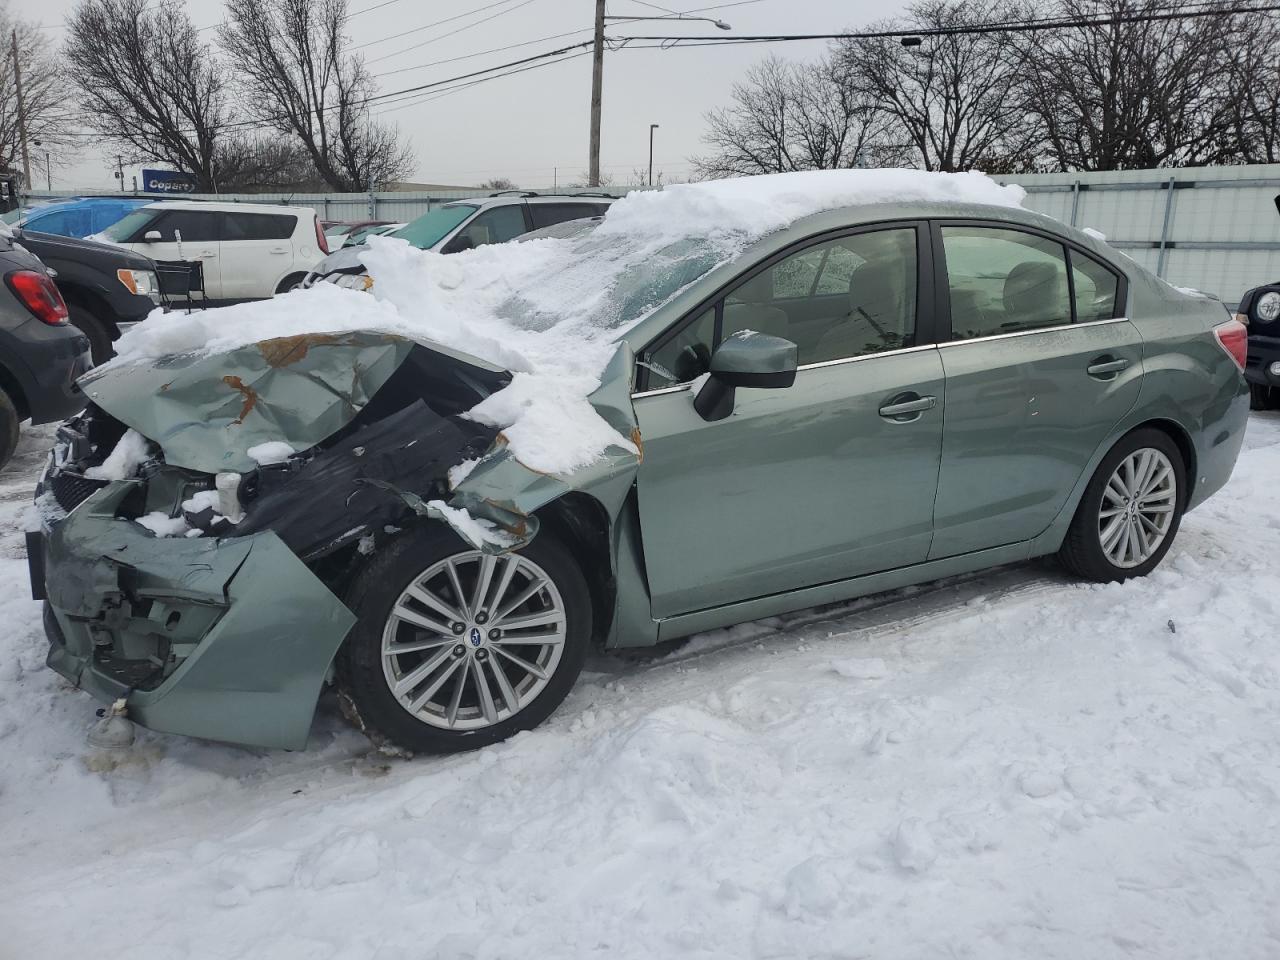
[871, 396]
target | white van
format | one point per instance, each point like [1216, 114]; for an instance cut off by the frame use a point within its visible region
[249, 251]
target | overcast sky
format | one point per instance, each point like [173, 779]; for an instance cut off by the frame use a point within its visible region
[533, 126]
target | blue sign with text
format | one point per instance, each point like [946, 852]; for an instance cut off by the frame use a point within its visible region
[167, 181]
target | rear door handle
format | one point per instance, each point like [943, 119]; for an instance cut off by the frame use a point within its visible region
[279, 249]
[1104, 368]
[207, 255]
[907, 407]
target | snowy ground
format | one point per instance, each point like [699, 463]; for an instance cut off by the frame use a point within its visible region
[1012, 765]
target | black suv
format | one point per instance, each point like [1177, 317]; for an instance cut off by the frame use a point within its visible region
[104, 286]
[41, 354]
[1260, 309]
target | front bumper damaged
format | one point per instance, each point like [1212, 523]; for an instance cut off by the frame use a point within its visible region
[221, 639]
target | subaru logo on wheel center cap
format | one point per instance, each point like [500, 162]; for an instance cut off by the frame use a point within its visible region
[476, 639]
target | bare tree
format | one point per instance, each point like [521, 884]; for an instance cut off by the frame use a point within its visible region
[1135, 94]
[952, 99]
[297, 73]
[249, 162]
[794, 116]
[49, 116]
[1252, 83]
[498, 183]
[148, 84]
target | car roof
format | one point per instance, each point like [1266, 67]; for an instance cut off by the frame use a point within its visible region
[507, 199]
[227, 207]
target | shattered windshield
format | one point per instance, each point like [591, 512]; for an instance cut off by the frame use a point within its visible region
[643, 276]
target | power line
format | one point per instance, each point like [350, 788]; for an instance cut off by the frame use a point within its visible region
[1026, 26]
[428, 26]
[423, 43]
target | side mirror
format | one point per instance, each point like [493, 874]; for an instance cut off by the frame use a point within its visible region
[1261, 305]
[152, 236]
[745, 359]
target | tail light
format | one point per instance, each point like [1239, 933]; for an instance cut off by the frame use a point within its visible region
[321, 241]
[1233, 337]
[39, 295]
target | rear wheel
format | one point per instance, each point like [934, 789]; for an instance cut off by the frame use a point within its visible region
[9, 420]
[100, 343]
[291, 282]
[1130, 512]
[455, 649]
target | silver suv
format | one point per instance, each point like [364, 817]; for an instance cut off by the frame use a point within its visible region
[466, 224]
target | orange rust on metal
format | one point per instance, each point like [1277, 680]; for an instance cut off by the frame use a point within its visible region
[250, 395]
[635, 438]
[283, 351]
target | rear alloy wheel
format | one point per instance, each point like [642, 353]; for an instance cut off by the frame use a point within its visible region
[1130, 511]
[456, 649]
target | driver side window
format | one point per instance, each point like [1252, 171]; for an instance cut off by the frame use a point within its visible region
[837, 299]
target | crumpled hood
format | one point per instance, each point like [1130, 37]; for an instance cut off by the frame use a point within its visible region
[205, 412]
[342, 260]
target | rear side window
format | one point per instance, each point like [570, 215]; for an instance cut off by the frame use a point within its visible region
[257, 226]
[196, 226]
[1095, 288]
[545, 214]
[1004, 281]
[497, 225]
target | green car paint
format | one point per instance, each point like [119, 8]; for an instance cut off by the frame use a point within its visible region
[251, 629]
[866, 474]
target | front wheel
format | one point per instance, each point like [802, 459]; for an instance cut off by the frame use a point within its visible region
[1262, 397]
[1130, 512]
[455, 649]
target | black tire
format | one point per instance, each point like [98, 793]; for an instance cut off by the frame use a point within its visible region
[1081, 552]
[9, 420]
[1262, 397]
[291, 282]
[99, 334]
[363, 689]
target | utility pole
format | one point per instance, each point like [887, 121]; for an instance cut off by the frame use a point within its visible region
[120, 171]
[652, 127]
[22, 113]
[597, 76]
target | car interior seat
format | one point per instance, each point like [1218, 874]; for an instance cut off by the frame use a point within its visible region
[1034, 295]
[750, 307]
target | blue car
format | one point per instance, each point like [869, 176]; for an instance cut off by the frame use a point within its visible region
[80, 216]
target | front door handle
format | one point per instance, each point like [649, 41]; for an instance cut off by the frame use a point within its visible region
[207, 255]
[1105, 367]
[907, 407]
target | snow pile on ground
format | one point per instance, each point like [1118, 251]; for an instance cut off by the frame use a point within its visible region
[551, 310]
[1013, 765]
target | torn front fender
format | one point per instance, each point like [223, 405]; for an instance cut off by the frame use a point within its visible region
[505, 492]
[227, 640]
[299, 389]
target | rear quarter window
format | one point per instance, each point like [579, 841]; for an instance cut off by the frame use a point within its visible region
[258, 226]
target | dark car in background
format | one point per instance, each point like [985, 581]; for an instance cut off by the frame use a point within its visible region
[104, 286]
[1260, 310]
[41, 353]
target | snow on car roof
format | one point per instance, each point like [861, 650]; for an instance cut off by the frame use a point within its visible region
[551, 310]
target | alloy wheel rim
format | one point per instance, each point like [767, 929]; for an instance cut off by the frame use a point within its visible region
[1137, 507]
[473, 639]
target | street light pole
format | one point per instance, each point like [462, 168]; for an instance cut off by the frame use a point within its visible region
[652, 127]
[597, 78]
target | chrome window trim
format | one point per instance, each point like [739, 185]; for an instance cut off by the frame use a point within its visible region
[802, 367]
[1026, 333]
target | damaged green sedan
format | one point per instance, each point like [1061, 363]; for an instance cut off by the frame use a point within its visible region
[871, 396]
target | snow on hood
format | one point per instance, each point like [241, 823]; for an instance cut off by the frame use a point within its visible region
[551, 310]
